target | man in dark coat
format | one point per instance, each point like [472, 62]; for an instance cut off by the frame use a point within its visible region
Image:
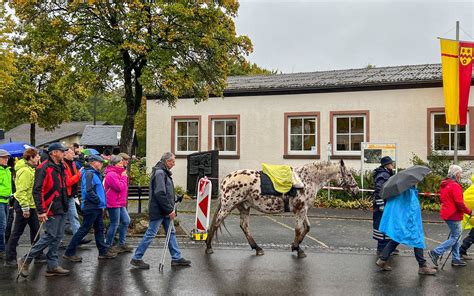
[161, 209]
[381, 175]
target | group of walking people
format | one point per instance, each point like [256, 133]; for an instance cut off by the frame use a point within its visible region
[45, 194]
[398, 220]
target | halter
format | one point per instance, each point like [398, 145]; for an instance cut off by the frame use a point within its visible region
[343, 183]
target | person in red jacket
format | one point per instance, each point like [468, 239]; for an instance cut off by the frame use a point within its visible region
[452, 211]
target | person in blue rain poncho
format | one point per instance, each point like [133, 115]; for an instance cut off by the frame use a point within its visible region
[401, 221]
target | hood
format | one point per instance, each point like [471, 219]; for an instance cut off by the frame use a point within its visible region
[20, 164]
[446, 182]
[115, 169]
[159, 165]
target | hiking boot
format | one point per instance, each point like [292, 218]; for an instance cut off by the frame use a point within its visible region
[24, 270]
[140, 264]
[427, 270]
[434, 257]
[85, 241]
[460, 263]
[10, 263]
[73, 258]
[124, 249]
[41, 259]
[180, 262]
[58, 271]
[108, 255]
[383, 264]
[465, 256]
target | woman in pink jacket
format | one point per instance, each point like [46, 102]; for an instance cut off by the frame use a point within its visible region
[116, 191]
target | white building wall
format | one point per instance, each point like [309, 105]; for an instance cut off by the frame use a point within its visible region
[398, 116]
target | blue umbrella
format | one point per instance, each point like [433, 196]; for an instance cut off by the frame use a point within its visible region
[16, 149]
[90, 151]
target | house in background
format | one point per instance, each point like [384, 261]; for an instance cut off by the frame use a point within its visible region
[66, 133]
[102, 137]
[297, 118]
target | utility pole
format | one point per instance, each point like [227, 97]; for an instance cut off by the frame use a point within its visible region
[456, 126]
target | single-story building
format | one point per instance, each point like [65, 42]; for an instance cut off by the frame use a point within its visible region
[101, 137]
[297, 118]
[67, 133]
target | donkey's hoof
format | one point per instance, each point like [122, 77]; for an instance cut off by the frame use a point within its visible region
[260, 252]
[209, 251]
[301, 254]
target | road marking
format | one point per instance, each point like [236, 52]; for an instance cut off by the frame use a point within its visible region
[290, 228]
[433, 240]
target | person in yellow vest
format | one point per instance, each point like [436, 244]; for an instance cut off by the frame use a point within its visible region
[468, 223]
[5, 193]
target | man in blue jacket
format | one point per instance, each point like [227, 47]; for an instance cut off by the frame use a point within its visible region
[381, 175]
[161, 210]
[93, 204]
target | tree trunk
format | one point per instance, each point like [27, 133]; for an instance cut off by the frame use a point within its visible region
[33, 134]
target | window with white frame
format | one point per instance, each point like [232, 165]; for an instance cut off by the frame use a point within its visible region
[302, 131]
[349, 133]
[442, 135]
[187, 136]
[224, 136]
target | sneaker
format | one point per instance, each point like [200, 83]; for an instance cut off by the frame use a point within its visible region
[426, 270]
[124, 249]
[383, 264]
[460, 263]
[180, 262]
[58, 271]
[108, 255]
[140, 264]
[73, 258]
[24, 270]
[41, 259]
[434, 257]
[10, 263]
[465, 256]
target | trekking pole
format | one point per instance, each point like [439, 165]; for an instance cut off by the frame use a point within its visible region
[167, 240]
[450, 252]
[36, 237]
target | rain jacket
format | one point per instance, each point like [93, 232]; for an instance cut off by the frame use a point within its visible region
[401, 219]
[93, 194]
[5, 184]
[381, 175]
[25, 178]
[452, 202]
[50, 187]
[162, 193]
[468, 223]
[116, 187]
[73, 176]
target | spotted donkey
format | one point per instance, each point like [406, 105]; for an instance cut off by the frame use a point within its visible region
[241, 190]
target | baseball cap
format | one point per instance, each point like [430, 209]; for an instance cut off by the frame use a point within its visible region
[93, 158]
[56, 146]
[4, 152]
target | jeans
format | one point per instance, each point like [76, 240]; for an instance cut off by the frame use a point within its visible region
[467, 242]
[119, 219]
[19, 226]
[92, 218]
[72, 215]
[452, 241]
[3, 224]
[150, 235]
[53, 233]
[392, 245]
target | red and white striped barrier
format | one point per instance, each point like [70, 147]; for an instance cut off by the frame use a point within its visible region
[203, 209]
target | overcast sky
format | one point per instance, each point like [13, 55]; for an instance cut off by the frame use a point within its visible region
[312, 35]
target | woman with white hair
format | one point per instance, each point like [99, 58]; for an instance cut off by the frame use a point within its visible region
[116, 193]
[452, 212]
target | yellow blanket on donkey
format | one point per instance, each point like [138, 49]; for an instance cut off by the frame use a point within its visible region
[281, 176]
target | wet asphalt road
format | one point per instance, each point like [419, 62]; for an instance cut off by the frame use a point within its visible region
[340, 261]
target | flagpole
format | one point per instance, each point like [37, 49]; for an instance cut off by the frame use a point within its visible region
[456, 126]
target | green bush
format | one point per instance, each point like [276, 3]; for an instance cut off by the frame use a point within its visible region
[138, 173]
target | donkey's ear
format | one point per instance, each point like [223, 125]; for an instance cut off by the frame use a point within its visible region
[342, 163]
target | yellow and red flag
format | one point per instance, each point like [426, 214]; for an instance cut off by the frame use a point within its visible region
[456, 62]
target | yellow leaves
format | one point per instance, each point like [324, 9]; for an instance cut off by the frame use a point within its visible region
[56, 22]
